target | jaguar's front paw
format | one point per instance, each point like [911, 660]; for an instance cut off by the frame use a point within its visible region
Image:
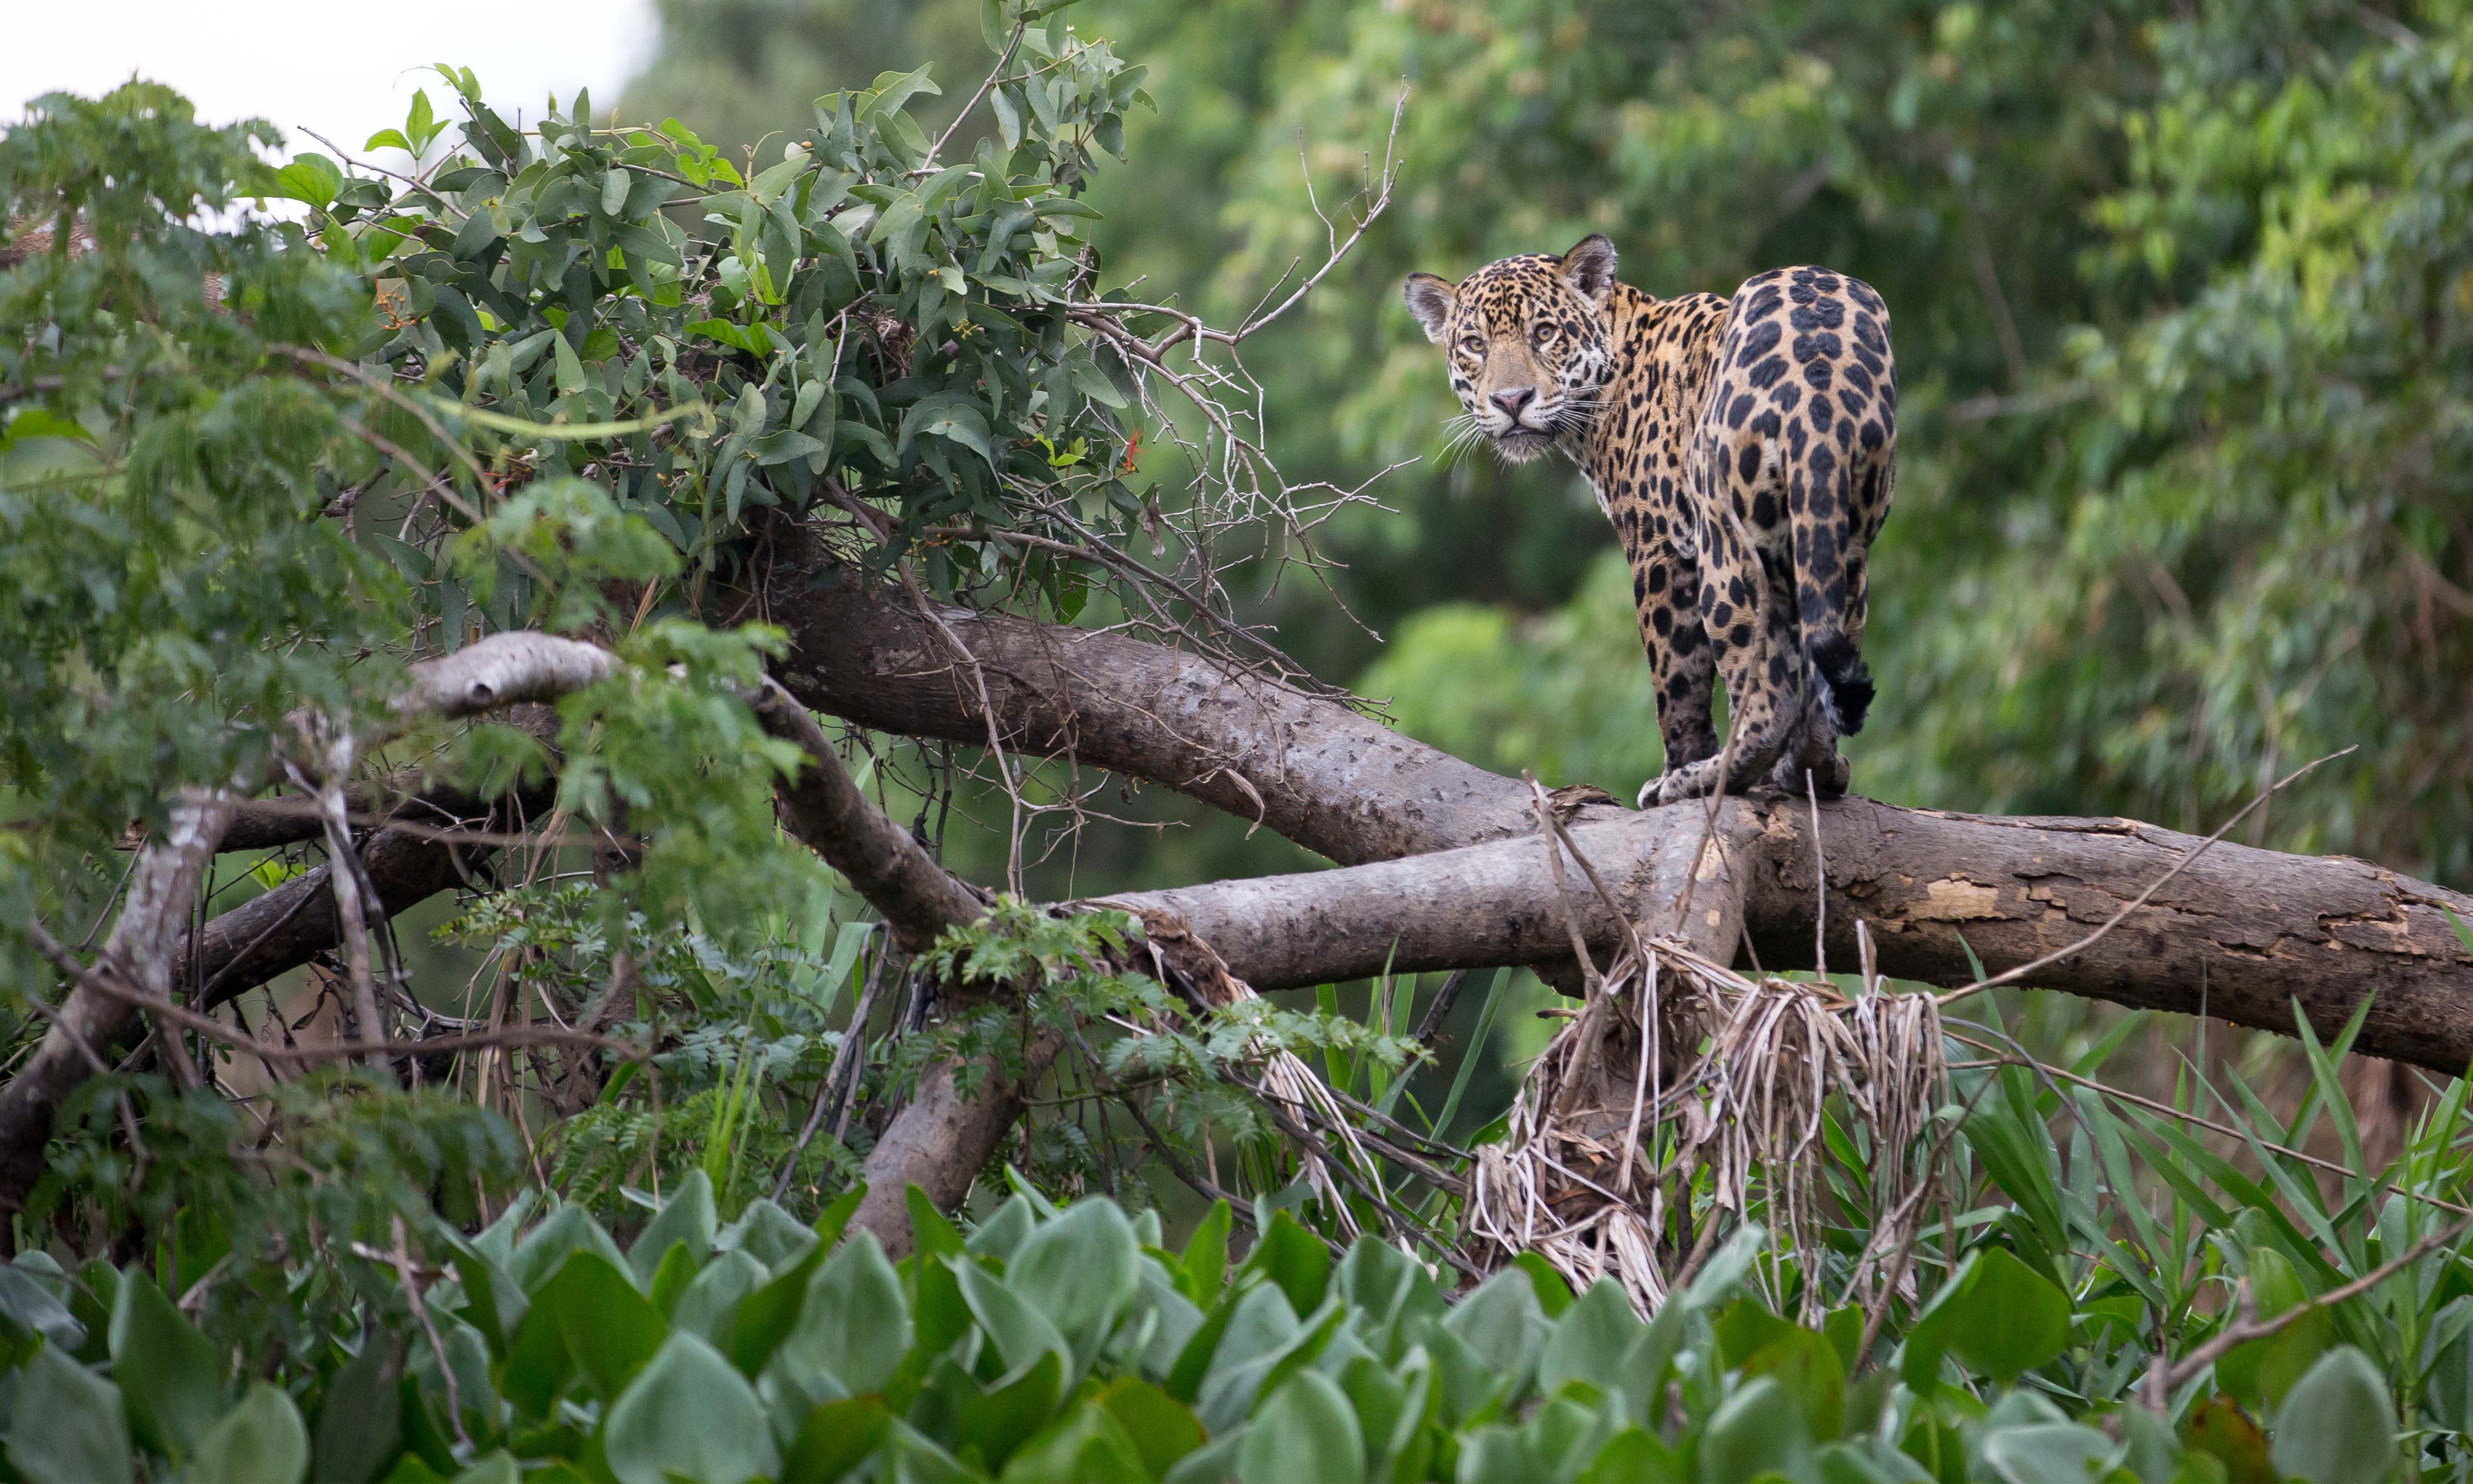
[1648, 799]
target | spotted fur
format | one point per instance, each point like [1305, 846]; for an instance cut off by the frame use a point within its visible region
[1743, 450]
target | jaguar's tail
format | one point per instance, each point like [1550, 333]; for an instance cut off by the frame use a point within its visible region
[1829, 601]
[1846, 684]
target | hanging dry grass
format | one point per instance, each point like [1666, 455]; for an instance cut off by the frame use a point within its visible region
[1723, 1075]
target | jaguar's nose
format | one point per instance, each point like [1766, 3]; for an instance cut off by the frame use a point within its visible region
[1512, 403]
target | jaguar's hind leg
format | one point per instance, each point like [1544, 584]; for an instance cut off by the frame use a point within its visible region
[1750, 623]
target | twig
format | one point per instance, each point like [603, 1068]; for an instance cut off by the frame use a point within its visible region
[826, 1093]
[1592, 981]
[928, 165]
[2243, 1332]
[1440, 1007]
[429, 1328]
[434, 1045]
[1820, 888]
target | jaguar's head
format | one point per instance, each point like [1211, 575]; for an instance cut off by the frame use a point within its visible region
[1524, 341]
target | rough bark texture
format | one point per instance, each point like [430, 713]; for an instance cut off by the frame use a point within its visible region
[918, 898]
[2253, 930]
[294, 922]
[1482, 905]
[504, 669]
[1311, 769]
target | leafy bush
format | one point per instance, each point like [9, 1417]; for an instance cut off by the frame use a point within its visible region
[1069, 1344]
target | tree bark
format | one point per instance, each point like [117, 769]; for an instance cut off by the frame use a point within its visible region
[2241, 935]
[140, 954]
[1313, 769]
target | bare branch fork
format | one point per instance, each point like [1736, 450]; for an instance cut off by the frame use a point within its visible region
[135, 965]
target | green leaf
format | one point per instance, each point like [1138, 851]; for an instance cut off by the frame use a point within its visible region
[2049, 1453]
[855, 1326]
[1019, 1332]
[1204, 1266]
[498, 1467]
[1553, 1294]
[1754, 1432]
[545, 1250]
[33, 1309]
[1162, 1428]
[83, 1439]
[310, 177]
[2219, 1428]
[360, 1423]
[1002, 1235]
[170, 1376]
[1305, 1430]
[1002, 1416]
[1086, 1447]
[931, 1235]
[1590, 1341]
[687, 1217]
[2337, 1424]
[893, 90]
[769, 1234]
[1079, 1270]
[1008, 117]
[1634, 1456]
[1745, 1326]
[688, 1412]
[737, 337]
[609, 1328]
[259, 1442]
[768, 1313]
[2010, 1320]
[1294, 1259]
[834, 1438]
[1503, 1323]
[1807, 1365]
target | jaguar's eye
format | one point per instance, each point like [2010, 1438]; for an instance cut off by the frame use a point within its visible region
[1472, 346]
[1542, 336]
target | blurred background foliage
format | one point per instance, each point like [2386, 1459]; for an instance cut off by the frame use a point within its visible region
[2181, 299]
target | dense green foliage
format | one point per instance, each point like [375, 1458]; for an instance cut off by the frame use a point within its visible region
[1070, 1345]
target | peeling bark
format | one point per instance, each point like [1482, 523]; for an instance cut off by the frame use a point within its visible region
[2240, 934]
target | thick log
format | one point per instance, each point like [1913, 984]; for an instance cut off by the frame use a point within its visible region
[2242, 935]
[1494, 905]
[2239, 934]
[1313, 769]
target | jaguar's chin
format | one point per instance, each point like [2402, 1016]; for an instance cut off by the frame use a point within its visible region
[1522, 446]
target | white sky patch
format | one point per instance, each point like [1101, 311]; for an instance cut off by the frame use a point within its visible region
[346, 70]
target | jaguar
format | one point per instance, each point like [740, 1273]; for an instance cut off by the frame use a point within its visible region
[1742, 448]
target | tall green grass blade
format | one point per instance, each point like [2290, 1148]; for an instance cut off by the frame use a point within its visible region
[1496, 979]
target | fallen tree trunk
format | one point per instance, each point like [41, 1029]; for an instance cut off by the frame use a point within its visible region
[2241, 934]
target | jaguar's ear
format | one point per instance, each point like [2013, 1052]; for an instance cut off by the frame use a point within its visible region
[1589, 267]
[1429, 299]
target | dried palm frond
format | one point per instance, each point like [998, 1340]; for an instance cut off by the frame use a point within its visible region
[1720, 1075]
